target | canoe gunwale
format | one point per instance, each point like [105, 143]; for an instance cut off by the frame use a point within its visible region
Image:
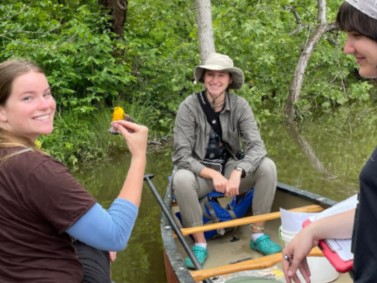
[170, 249]
[315, 198]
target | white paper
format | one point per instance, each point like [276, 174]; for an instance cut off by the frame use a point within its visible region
[341, 246]
[342, 206]
[292, 221]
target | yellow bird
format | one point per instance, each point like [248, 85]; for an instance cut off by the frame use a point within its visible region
[119, 114]
[38, 144]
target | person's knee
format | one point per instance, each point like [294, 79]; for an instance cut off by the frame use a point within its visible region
[266, 174]
[183, 180]
[267, 168]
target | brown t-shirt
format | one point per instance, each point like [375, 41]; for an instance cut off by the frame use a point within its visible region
[39, 200]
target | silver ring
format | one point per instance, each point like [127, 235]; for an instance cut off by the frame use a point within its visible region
[287, 258]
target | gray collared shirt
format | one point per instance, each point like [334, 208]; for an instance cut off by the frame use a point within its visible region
[239, 129]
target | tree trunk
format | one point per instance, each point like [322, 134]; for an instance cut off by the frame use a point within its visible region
[298, 78]
[205, 31]
[118, 12]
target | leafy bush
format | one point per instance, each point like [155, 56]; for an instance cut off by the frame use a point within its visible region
[73, 45]
[150, 70]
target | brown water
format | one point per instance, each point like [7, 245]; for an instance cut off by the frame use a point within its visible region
[323, 156]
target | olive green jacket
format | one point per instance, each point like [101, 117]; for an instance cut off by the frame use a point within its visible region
[191, 134]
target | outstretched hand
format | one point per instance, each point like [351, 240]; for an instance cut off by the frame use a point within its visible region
[136, 136]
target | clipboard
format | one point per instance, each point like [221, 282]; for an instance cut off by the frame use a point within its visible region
[339, 264]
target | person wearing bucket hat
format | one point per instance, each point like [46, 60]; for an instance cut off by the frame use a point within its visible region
[220, 62]
[209, 131]
[358, 18]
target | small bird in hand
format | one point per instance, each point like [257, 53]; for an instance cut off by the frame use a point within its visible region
[119, 114]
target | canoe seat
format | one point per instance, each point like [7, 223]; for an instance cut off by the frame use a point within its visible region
[247, 220]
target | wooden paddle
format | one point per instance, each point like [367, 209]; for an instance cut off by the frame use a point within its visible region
[247, 220]
[258, 263]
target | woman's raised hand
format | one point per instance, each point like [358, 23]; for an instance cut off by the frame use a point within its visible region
[136, 136]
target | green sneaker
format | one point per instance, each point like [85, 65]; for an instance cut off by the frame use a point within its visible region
[201, 255]
[265, 245]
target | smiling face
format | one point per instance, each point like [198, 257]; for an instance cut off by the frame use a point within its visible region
[365, 51]
[216, 82]
[30, 108]
[361, 41]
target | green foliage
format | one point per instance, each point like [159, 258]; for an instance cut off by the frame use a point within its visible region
[78, 138]
[150, 71]
[73, 45]
[162, 49]
[72, 141]
[266, 38]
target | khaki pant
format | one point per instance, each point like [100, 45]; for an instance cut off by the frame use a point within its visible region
[189, 188]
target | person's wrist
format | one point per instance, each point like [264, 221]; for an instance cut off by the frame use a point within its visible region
[241, 171]
[237, 173]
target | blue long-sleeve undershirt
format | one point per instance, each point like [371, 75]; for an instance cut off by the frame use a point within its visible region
[106, 230]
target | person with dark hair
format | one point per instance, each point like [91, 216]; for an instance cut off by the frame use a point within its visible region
[209, 129]
[52, 229]
[358, 18]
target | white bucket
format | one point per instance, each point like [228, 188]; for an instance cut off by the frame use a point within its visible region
[321, 269]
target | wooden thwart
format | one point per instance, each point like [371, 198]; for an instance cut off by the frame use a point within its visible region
[247, 220]
[258, 263]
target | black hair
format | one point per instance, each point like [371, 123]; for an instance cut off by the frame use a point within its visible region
[350, 19]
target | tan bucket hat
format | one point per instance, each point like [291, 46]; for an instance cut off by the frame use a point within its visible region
[220, 62]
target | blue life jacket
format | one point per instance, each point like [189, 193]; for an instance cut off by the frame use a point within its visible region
[214, 212]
